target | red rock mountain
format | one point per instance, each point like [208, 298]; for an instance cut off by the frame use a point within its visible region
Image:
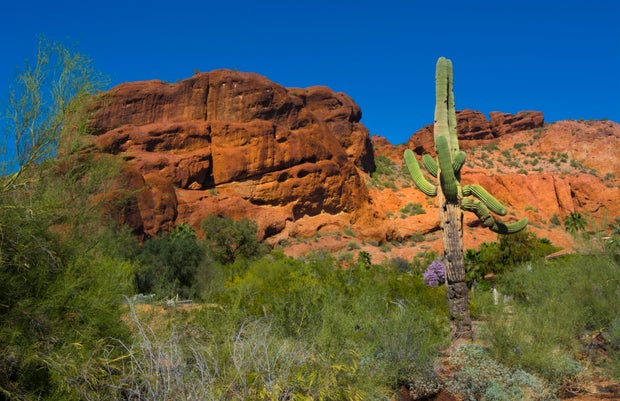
[300, 163]
[236, 144]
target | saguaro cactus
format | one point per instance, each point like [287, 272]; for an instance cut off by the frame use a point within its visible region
[454, 198]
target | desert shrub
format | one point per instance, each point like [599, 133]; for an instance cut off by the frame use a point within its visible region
[401, 265]
[385, 247]
[353, 245]
[58, 303]
[386, 325]
[477, 376]
[510, 251]
[170, 263]
[558, 302]
[613, 336]
[228, 239]
[364, 259]
[251, 361]
[413, 208]
[384, 165]
[435, 273]
[574, 223]
[491, 147]
[286, 289]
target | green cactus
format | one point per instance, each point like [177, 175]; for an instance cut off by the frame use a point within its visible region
[479, 192]
[423, 185]
[454, 198]
[447, 179]
[450, 159]
[430, 164]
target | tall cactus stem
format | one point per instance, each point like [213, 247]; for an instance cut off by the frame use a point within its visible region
[452, 125]
[442, 86]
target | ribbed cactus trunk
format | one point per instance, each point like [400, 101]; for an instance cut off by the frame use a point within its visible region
[451, 215]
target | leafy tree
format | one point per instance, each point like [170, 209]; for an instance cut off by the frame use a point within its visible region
[170, 263]
[228, 239]
[60, 287]
[42, 99]
[510, 251]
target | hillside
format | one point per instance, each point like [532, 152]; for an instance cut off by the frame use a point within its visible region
[301, 164]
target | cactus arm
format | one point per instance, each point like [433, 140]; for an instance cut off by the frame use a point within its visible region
[423, 185]
[448, 181]
[479, 192]
[430, 164]
[458, 161]
[479, 209]
[510, 228]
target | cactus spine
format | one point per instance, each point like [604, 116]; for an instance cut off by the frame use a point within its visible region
[454, 199]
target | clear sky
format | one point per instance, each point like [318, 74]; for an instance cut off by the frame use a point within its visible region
[558, 57]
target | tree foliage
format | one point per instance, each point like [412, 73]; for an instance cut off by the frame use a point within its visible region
[60, 285]
[170, 263]
[510, 251]
[42, 98]
[228, 239]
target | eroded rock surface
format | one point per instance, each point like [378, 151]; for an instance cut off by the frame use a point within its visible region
[297, 149]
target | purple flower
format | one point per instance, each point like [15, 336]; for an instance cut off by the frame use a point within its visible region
[435, 273]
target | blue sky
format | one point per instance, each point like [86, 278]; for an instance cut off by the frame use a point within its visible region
[558, 57]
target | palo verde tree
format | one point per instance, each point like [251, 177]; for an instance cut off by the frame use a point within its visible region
[454, 198]
[61, 276]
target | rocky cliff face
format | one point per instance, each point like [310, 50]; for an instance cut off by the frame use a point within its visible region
[239, 139]
[298, 161]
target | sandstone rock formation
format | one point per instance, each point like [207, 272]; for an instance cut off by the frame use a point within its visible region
[298, 150]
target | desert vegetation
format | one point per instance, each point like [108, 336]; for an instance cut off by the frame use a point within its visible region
[88, 311]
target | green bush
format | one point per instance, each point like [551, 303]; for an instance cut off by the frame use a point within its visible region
[170, 263]
[228, 239]
[477, 376]
[387, 325]
[413, 208]
[59, 303]
[384, 165]
[510, 251]
[558, 304]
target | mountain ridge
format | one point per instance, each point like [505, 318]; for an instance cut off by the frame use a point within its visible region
[300, 163]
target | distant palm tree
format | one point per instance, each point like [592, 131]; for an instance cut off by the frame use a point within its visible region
[574, 223]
